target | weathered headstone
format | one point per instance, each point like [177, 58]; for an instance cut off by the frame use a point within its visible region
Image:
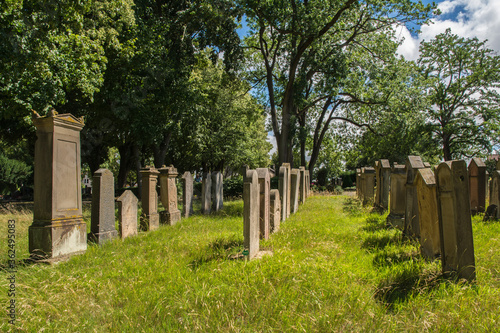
[283, 189]
[396, 216]
[425, 183]
[358, 183]
[289, 187]
[264, 194]
[149, 198]
[102, 218]
[412, 226]
[368, 177]
[206, 193]
[127, 214]
[308, 183]
[187, 194]
[295, 187]
[383, 175]
[217, 191]
[455, 224]
[495, 192]
[275, 210]
[251, 209]
[168, 195]
[302, 186]
[58, 227]
[477, 185]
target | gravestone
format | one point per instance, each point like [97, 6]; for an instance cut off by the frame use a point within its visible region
[275, 210]
[251, 210]
[206, 193]
[264, 193]
[455, 225]
[396, 216]
[102, 219]
[412, 226]
[477, 185]
[149, 198]
[127, 214]
[308, 183]
[283, 189]
[58, 227]
[168, 195]
[358, 183]
[217, 191]
[383, 176]
[302, 186]
[295, 187]
[425, 183]
[495, 193]
[368, 177]
[289, 187]
[187, 194]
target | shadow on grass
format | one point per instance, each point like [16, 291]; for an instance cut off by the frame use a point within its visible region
[352, 206]
[377, 241]
[219, 250]
[375, 223]
[385, 258]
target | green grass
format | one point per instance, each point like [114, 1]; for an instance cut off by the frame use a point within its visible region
[335, 267]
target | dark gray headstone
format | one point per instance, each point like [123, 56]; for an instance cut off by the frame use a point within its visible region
[206, 193]
[102, 227]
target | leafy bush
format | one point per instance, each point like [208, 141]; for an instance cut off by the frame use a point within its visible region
[12, 174]
[233, 187]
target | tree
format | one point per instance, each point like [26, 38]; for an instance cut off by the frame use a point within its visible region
[463, 79]
[299, 53]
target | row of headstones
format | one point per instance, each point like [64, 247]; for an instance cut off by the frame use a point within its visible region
[264, 209]
[434, 207]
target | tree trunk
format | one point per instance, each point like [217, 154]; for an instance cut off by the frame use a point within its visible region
[137, 163]
[160, 150]
[446, 148]
[125, 164]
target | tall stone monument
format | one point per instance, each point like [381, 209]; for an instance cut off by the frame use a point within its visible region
[412, 226]
[455, 224]
[289, 194]
[477, 185]
[425, 183]
[217, 191]
[251, 210]
[102, 225]
[283, 189]
[396, 216]
[206, 193]
[302, 186]
[295, 187]
[187, 194]
[168, 195]
[264, 195]
[383, 176]
[495, 193]
[275, 210]
[127, 214]
[58, 227]
[149, 198]
[308, 184]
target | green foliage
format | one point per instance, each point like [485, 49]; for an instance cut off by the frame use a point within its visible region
[13, 174]
[233, 187]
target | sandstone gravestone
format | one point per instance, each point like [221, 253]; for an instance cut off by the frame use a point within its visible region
[168, 195]
[383, 175]
[102, 225]
[425, 183]
[308, 184]
[187, 194]
[149, 198]
[206, 193]
[495, 192]
[58, 227]
[295, 187]
[411, 227]
[217, 191]
[289, 187]
[251, 209]
[396, 215]
[477, 185]
[457, 248]
[358, 183]
[283, 189]
[127, 214]
[302, 186]
[368, 177]
[264, 204]
[275, 210]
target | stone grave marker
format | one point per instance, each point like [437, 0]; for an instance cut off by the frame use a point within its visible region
[102, 218]
[368, 177]
[251, 210]
[495, 194]
[58, 227]
[397, 211]
[283, 189]
[206, 193]
[264, 195]
[187, 194]
[412, 226]
[127, 214]
[168, 194]
[477, 185]
[383, 176]
[217, 191]
[275, 210]
[455, 224]
[308, 183]
[149, 198]
[425, 183]
[358, 183]
[295, 187]
[302, 185]
[289, 187]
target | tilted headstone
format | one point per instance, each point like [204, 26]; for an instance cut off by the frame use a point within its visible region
[149, 198]
[102, 218]
[187, 194]
[396, 216]
[302, 186]
[495, 193]
[383, 175]
[264, 194]
[206, 193]
[425, 183]
[289, 187]
[295, 187]
[477, 185]
[412, 226]
[368, 177]
[251, 209]
[168, 195]
[455, 224]
[275, 210]
[217, 191]
[58, 227]
[283, 189]
[127, 214]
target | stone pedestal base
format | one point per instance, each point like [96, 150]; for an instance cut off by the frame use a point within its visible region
[170, 218]
[396, 221]
[150, 222]
[102, 237]
[57, 238]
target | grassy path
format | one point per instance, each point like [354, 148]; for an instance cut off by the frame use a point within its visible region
[334, 267]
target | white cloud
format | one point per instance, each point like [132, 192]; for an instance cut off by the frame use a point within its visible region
[474, 18]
